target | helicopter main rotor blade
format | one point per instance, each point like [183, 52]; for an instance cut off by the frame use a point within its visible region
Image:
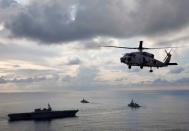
[170, 50]
[120, 47]
[159, 48]
[143, 48]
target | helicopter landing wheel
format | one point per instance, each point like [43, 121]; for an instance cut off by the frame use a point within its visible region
[141, 67]
[151, 69]
[129, 66]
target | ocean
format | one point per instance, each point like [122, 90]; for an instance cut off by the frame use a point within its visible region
[108, 110]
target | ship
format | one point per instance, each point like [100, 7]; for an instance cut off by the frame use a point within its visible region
[132, 104]
[42, 114]
[84, 101]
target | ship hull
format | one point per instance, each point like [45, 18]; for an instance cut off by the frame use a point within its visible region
[133, 106]
[42, 115]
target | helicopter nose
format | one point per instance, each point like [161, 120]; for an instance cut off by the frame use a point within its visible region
[122, 60]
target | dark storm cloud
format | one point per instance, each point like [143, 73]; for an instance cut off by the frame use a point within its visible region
[6, 3]
[7, 9]
[63, 21]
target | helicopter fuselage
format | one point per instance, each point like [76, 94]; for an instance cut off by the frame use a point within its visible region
[141, 59]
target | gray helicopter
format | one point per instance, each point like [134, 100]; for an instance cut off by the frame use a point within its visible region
[144, 59]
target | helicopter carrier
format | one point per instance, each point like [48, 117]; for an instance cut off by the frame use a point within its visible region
[42, 114]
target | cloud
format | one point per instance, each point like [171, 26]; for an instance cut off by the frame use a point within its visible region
[62, 21]
[165, 83]
[135, 70]
[74, 61]
[67, 78]
[26, 80]
[33, 72]
[96, 43]
[85, 24]
[6, 3]
[8, 8]
[120, 79]
[2, 80]
[177, 70]
[174, 40]
[160, 81]
[29, 80]
[26, 53]
[85, 78]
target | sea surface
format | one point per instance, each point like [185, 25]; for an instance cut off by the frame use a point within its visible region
[108, 110]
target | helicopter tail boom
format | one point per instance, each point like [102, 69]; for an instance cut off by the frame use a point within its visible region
[172, 64]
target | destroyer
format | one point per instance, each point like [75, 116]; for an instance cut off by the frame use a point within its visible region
[132, 104]
[84, 101]
[42, 114]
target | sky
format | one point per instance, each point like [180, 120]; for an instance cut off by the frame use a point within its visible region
[54, 45]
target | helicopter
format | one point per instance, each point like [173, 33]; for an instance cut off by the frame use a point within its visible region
[144, 59]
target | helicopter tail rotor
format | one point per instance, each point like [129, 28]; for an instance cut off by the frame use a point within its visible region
[168, 57]
[166, 52]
